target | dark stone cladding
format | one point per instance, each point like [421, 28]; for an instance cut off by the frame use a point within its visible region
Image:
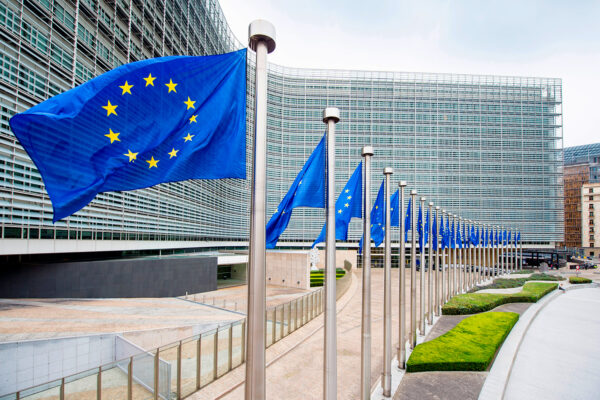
[147, 277]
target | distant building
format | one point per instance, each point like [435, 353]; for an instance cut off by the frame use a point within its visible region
[582, 166]
[590, 202]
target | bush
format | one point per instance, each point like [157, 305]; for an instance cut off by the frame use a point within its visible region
[505, 283]
[524, 271]
[472, 303]
[318, 277]
[469, 346]
[578, 280]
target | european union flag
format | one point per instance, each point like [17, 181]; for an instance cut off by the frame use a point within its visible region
[394, 209]
[519, 237]
[307, 190]
[348, 205]
[443, 233]
[452, 236]
[407, 219]
[377, 219]
[420, 227]
[459, 242]
[153, 121]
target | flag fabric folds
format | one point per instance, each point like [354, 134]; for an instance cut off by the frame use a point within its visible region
[395, 209]
[307, 190]
[434, 232]
[452, 236]
[159, 120]
[443, 233]
[459, 239]
[348, 205]
[408, 219]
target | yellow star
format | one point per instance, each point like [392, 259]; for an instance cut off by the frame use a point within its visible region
[173, 152]
[150, 80]
[113, 136]
[110, 109]
[171, 86]
[132, 156]
[152, 162]
[193, 118]
[190, 103]
[126, 88]
[189, 137]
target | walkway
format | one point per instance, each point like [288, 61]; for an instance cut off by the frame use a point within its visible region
[559, 357]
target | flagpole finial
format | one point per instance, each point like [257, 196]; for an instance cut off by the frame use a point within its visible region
[431, 204]
[413, 192]
[423, 199]
[261, 30]
[437, 208]
[367, 151]
[331, 113]
[388, 170]
[402, 183]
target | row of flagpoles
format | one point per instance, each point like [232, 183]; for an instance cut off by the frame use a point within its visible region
[460, 260]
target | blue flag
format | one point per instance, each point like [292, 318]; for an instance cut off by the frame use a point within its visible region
[395, 209]
[452, 236]
[377, 219]
[459, 242]
[426, 229]
[485, 237]
[443, 233]
[434, 232]
[348, 205]
[407, 220]
[519, 237]
[420, 228]
[307, 190]
[159, 120]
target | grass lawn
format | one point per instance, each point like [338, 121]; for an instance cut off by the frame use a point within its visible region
[317, 277]
[472, 303]
[525, 271]
[578, 279]
[505, 283]
[469, 346]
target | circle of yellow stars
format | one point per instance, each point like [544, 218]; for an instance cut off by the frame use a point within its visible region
[111, 109]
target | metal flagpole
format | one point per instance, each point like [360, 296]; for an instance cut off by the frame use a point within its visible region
[261, 36]
[402, 283]
[485, 255]
[422, 272]
[453, 291]
[386, 378]
[430, 268]
[461, 259]
[438, 276]
[365, 354]
[502, 264]
[413, 270]
[516, 251]
[331, 116]
[520, 253]
[444, 266]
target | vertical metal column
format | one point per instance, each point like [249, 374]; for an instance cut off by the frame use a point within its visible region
[331, 116]
[455, 250]
[261, 38]
[386, 377]
[430, 269]
[402, 283]
[422, 271]
[444, 266]
[520, 254]
[365, 381]
[438, 275]
[480, 255]
[461, 259]
[413, 270]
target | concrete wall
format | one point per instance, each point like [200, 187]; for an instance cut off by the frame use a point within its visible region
[238, 271]
[288, 268]
[346, 259]
[147, 277]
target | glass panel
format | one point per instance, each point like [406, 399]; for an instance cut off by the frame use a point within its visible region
[49, 391]
[168, 354]
[223, 349]
[143, 376]
[81, 386]
[114, 380]
[188, 366]
[206, 369]
[236, 358]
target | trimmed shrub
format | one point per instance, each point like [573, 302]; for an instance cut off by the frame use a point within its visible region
[318, 277]
[505, 283]
[578, 280]
[472, 303]
[469, 346]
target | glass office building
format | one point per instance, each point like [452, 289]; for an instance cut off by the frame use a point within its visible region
[488, 148]
[588, 154]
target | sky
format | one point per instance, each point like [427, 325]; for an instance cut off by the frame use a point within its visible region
[551, 38]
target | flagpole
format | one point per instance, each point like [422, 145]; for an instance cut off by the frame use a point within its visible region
[365, 382]
[454, 256]
[430, 268]
[261, 39]
[402, 283]
[386, 378]
[331, 116]
[413, 270]
[422, 272]
[520, 252]
[438, 296]
[461, 258]
[444, 278]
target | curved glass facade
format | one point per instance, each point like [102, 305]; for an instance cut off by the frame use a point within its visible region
[488, 148]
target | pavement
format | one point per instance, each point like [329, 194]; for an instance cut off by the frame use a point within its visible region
[559, 356]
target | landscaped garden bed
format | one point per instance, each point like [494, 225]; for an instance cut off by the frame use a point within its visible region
[472, 303]
[469, 346]
[318, 276]
[578, 280]
[506, 283]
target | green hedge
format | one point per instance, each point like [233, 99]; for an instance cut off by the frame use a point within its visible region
[469, 346]
[317, 277]
[578, 279]
[472, 303]
[505, 283]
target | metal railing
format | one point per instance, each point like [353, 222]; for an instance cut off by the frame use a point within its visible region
[178, 369]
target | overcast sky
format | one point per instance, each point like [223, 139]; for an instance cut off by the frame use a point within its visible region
[557, 39]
